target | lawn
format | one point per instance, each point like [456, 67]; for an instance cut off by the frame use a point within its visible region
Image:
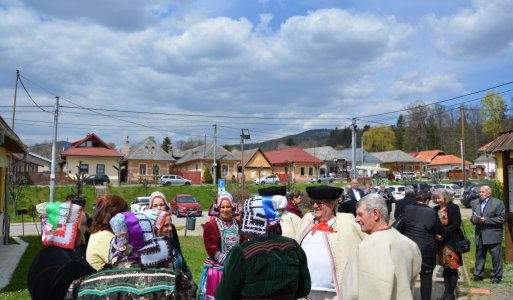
[192, 246]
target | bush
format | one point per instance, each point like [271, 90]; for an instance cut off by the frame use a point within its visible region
[498, 190]
[207, 176]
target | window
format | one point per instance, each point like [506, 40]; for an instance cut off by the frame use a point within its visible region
[100, 169]
[196, 167]
[302, 171]
[84, 168]
[156, 169]
[224, 170]
[142, 169]
[310, 171]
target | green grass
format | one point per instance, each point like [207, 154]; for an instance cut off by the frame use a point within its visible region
[17, 287]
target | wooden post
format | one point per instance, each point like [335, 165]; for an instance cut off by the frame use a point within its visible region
[507, 162]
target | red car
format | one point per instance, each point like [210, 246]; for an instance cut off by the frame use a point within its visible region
[183, 204]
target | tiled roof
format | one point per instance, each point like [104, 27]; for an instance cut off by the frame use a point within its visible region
[148, 150]
[207, 152]
[91, 151]
[367, 157]
[12, 142]
[395, 156]
[326, 153]
[292, 154]
[102, 149]
[426, 156]
[447, 160]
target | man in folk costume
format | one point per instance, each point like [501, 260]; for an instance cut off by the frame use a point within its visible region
[385, 265]
[328, 240]
[268, 266]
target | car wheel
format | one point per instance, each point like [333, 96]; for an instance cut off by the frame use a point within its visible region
[318, 181]
[187, 183]
[262, 183]
[331, 181]
[167, 184]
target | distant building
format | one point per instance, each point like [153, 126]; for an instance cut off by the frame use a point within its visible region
[255, 163]
[294, 162]
[365, 161]
[146, 160]
[398, 161]
[93, 156]
[334, 162]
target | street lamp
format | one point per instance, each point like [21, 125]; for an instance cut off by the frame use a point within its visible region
[243, 136]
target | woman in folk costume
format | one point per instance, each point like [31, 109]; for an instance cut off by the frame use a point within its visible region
[220, 234]
[268, 266]
[449, 255]
[158, 202]
[143, 267]
[328, 240]
[57, 265]
[161, 222]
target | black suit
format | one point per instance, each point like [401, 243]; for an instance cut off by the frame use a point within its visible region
[489, 235]
[400, 205]
[352, 191]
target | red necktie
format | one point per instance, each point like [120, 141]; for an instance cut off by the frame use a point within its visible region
[322, 226]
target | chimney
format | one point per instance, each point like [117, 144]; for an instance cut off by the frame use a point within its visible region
[127, 145]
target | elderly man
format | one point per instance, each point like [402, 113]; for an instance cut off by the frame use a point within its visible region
[328, 239]
[386, 264]
[268, 266]
[488, 217]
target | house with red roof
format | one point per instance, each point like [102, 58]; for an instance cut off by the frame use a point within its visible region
[294, 162]
[426, 157]
[445, 163]
[93, 156]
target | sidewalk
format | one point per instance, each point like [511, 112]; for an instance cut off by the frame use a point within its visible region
[10, 255]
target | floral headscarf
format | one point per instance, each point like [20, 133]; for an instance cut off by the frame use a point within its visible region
[60, 223]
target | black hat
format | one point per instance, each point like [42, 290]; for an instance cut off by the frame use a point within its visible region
[324, 192]
[273, 190]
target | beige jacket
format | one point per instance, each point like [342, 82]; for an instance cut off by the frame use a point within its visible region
[289, 223]
[342, 242]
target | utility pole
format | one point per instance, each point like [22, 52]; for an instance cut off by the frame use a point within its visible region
[353, 152]
[54, 150]
[15, 93]
[214, 164]
[463, 171]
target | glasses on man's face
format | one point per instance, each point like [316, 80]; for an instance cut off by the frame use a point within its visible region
[318, 202]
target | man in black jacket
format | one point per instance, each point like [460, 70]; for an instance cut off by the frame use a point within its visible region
[409, 198]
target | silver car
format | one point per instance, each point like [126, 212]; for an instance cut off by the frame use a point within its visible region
[174, 180]
[139, 204]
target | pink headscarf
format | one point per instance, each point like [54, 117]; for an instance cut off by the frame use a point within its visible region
[214, 209]
[158, 195]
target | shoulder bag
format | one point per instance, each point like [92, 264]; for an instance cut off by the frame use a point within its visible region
[464, 244]
[398, 224]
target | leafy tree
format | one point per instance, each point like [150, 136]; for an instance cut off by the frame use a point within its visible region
[493, 110]
[380, 138]
[228, 147]
[290, 142]
[207, 176]
[166, 144]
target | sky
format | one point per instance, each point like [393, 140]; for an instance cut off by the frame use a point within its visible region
[176, 68]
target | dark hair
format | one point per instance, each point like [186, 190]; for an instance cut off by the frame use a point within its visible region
[423, 196]
[107, 208]
[294, 194]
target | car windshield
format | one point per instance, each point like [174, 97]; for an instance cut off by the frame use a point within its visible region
[186, 199]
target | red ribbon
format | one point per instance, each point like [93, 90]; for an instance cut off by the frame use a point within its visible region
[322, 226]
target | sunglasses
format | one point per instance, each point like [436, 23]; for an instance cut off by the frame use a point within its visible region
[318, 202]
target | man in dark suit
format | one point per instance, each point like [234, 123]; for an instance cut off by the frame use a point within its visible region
[409, 198]
[488, 217]
[354, 194]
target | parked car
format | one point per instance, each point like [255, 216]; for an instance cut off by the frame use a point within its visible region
[390, 176]
[398, 177]
[397, 191]
[409, 175]
[183, 204]
[97, 179]
[444, 186]
[323, 178]
[420, 186]
[170, 179]
[273, 178]
[470, 194]
[460, 183]
[139, 204]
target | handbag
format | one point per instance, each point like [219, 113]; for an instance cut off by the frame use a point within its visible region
[463, 245]
[398, 224]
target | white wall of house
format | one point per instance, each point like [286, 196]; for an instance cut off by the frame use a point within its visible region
[72, 162]
[4, 163]
[489, 165]
[444, 168]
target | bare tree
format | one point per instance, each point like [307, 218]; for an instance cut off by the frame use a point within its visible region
[17, 185]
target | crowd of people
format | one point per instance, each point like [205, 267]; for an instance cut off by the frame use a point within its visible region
[267, 249]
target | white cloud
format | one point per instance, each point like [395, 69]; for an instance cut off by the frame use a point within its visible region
[418, 85]
[482, 31]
